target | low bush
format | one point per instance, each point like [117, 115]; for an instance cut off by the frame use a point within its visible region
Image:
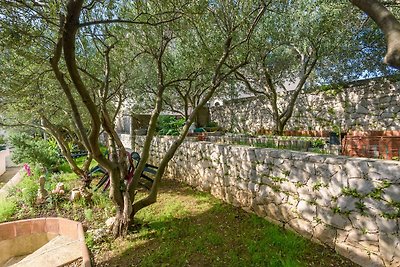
[7, 209]
[169, 125]
[28, 149]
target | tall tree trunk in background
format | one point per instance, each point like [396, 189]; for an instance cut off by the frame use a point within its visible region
[388, 23]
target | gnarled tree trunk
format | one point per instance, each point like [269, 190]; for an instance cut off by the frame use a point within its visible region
[388, 23]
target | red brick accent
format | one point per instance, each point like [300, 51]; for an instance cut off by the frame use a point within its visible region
[374, 144]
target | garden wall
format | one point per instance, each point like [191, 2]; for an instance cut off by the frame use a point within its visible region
[350, 204]
[364, 105]
[3, 162]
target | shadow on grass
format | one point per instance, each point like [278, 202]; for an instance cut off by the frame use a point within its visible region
[188, 228]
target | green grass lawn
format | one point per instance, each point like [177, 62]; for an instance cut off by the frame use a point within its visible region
[189, 228]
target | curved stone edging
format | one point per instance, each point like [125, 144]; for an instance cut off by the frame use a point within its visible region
[50, 226]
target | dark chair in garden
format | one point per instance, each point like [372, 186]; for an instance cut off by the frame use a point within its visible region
[75, 153]
[146, 181]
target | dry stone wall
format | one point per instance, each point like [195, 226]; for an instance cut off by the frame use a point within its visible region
[367, 105]
[349, 204]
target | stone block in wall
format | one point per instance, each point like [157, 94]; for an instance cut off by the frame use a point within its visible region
[264, 191]
[324, 234]
[352, 170]
[385, 170]
[307, 210]
[368, 241]
[292, 200]
[262, 169]
[245, 167]
[285, 167]
[250, 155]
[280, 154]
[230, 196]
[328, 216]
[362, 186]
[387, 226]
[323, 197]
[306, 193]
[326, 171]
[364, 223]
[253, 187]
[272, 210]
[277, 161]
[276, 197]
[336, 160]
[303, 227]
[252, 175]
[245, 199]
[299, 175]
[276, 173]
[305, 166]
[378, 207]
[288, 212]
[289, 187]
[218, 192]
[205, 186]
[259, 210]
[347, 203]
[335, 187]
[389, 246]
[299, 156]
[392, 193]
[394, 263]
[313, 181]
[260, 154]
[267, 180]
[242, 185]
[316, 158]
[358, 255]
[362, 110]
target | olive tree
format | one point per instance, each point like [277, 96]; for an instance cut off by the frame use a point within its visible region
[289, 47]
[84, 47]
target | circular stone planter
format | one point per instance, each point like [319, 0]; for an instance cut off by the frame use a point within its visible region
[42, 242]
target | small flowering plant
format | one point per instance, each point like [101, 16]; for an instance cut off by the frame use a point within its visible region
[27, 169]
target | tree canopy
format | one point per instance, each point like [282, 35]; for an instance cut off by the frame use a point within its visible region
[68, 66]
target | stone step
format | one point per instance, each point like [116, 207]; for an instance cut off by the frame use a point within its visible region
[57, 252]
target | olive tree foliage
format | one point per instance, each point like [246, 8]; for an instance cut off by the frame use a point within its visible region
[195, 53]
[74, 62]
[291, 43]
[30, 96]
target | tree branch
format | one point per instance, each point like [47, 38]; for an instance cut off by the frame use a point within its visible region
[388, 23]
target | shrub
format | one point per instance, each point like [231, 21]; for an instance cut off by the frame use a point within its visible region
[7, 209]
[2, 140]
[169, 125]
[28, 149]
[318, 143]
[27, 189]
